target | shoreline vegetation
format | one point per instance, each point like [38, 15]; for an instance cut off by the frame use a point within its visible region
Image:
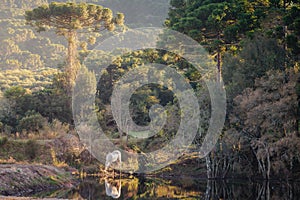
[27, 177]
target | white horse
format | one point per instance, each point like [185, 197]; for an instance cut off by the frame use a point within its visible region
[113, 190]
[112, 157]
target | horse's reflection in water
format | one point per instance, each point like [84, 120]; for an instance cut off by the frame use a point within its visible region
[113, 188]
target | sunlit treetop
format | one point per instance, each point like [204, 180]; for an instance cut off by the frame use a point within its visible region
[73, 16]
[67, 19]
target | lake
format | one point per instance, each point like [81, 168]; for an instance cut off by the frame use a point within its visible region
[178, 188]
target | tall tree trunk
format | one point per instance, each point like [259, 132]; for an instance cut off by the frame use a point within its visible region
[264, 193]
[219, 66]
[285, 37]
[72, 65]
[208, 191]
[298, 114]
[298, 107]
[209, 166]
[227, 162]
[269, 163]
[219, 61]
[260, 163]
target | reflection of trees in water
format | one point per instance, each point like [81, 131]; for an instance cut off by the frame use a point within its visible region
[264, 190]
[154, 188]
[218, 190]
[91, 188]
[161, 188]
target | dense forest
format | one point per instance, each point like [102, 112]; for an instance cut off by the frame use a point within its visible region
[255, 47]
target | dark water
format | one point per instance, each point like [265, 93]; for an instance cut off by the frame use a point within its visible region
[179, 188]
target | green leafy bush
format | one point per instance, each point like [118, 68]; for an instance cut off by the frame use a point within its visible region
[31, 149]
[3, 141]
[32, 122]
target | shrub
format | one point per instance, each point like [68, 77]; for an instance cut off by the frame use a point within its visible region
[32, 122]
[31, 149]
[3, 141]
[55, 161]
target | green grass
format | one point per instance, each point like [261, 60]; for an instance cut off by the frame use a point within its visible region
[141, 134]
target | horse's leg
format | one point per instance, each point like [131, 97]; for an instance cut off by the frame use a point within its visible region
[106, 166]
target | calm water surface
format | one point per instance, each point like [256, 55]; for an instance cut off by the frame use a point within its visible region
[179, 188]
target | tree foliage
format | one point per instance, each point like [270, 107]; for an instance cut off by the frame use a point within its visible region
[67, 19]
[218, 25]
[267, 117]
